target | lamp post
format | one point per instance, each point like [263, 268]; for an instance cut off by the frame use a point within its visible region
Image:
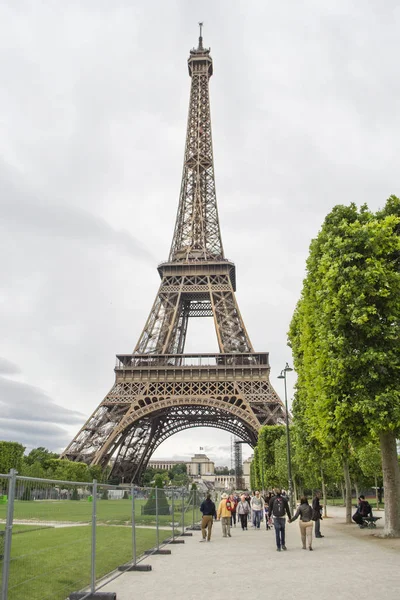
[289, 462]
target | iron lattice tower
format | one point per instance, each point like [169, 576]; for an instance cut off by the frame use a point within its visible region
[158, 389]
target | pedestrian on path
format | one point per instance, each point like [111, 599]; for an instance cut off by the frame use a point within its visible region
[317, 515]
[248, 500]
[225, 515]
[207, 509]
[278, 507]
[243, 510]
[257, 506]
[233, 502]
[305, 512]
[268, 519]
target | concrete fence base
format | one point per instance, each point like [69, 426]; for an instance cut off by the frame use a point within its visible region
[135, 568]
[95, 596]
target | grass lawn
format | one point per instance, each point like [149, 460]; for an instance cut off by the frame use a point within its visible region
[51, 563]
[371, 500]
[116, 512]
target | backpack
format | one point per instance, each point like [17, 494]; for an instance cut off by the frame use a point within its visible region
[365, 508]
[278, 507]
[230, 505]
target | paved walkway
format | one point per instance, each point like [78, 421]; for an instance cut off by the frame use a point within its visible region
[347, 563]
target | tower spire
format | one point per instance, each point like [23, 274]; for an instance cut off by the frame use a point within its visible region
[197, 233]
[200, 46]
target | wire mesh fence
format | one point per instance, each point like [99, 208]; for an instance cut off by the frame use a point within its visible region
[59, 537]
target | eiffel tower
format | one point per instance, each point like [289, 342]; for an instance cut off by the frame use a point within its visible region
[159, 390]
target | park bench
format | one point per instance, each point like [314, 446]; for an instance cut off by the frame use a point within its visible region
[369, 522]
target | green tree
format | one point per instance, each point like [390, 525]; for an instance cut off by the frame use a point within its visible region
[345, 340]
[264, 456]
[11, 456]
[179, 469]
[40, 455]
[150, 508]
[370, 460]
[67, 470]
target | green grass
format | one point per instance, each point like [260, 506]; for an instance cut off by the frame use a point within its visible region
[117, 512]
[339, 502]
[51, 563]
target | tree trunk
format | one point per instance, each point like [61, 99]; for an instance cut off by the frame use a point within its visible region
[391, 483]
[323, 492]
[357, 489]
[295, 498]
[347, 483]
[343, 492]
[376, 493]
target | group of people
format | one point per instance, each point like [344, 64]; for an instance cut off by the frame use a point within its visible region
[273, 507]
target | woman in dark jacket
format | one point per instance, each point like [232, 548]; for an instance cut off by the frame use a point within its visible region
[305, 513]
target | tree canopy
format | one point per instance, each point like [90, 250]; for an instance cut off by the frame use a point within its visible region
[345, 338]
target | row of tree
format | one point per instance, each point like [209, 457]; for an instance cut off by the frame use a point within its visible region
[42, 463]
[177, 476]
[345, 340]
[311, 470]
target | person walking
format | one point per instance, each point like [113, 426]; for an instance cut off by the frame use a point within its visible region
[317, 515]
[257, 506]
[278, 507]
[305, 512]
[268, 520]
[207, 509]
[248, 500]
[233, 502]
[225, 515]
[243, 510]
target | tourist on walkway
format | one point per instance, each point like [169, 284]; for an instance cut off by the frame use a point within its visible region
[243, 510]
[207, 509]
[305, 512]
[257, 506]
[268, 519]
[225, 515]
[317, 515]
[363, 510]
[278, 507]
[233, 502]
[248, 500]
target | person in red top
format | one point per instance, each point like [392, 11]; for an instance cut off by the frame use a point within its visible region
[233, 502]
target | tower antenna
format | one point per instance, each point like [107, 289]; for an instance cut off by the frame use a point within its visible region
[201, 36]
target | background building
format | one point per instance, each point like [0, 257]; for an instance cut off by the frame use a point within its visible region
[202, 472]
[246, 471]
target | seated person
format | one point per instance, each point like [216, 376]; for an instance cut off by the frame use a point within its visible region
[363, 510]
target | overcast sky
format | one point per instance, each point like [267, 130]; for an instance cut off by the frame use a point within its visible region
[93, 107]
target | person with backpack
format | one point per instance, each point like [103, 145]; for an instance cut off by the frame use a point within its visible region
[363, 510]
[243, 510]
[224, 514]
[278, 507]
[305, 512]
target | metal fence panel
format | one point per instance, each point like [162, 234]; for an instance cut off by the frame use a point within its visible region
[64, 537]
[50, 553]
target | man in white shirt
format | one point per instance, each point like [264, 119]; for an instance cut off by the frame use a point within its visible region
[257, 507]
